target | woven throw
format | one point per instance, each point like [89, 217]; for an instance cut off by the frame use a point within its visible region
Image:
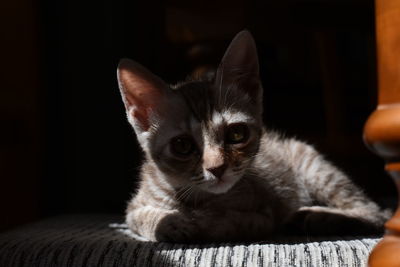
[102, 240]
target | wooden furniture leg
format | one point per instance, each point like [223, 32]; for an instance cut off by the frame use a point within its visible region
[382, 130]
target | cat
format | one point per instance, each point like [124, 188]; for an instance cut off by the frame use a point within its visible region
[213, 173]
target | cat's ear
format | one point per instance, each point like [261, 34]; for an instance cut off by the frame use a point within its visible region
[142, 92]
[239, 66]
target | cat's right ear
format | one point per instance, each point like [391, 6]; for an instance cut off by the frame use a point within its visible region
[142, 92]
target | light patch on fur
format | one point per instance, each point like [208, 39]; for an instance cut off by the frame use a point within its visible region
[217, 118]
[230, 117]
[142, 136]
[131, 119]
[237, 117]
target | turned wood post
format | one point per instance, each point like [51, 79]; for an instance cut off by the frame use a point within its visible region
[382, 130]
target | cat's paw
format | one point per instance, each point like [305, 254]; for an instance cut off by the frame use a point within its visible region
[177, 228]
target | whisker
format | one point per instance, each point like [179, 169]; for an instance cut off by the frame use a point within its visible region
[180, 192]
[189, 190]
[198, 178]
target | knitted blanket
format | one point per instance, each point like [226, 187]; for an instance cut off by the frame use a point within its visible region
[103, 240]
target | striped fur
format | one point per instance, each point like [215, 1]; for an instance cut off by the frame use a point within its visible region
[226, 191]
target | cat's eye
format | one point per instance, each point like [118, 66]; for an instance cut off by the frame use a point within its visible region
[237, 133]
[182, 146]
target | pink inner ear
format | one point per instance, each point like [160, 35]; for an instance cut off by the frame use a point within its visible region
[144, 98]
[140, 90]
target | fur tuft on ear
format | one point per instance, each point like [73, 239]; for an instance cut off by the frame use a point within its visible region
[142, 93]
[240, 66]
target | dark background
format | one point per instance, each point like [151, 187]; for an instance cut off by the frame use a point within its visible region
[65, 144]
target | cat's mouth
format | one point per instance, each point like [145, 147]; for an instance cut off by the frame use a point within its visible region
[223, 184]
[219, 182]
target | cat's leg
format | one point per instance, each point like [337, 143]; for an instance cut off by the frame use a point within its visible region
[321, 220]
[342, 202]
[343, 205]
[156, 224]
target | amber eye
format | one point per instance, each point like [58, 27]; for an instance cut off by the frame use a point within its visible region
[237, 133]
[182, 146]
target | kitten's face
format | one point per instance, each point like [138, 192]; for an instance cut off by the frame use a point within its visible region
[206, 142]
[200, 133]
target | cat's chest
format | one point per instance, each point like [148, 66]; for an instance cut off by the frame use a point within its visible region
[245, 196]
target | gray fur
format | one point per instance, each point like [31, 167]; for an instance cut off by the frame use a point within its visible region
[269, 183]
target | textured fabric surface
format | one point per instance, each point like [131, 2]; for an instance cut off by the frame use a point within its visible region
[101, 240]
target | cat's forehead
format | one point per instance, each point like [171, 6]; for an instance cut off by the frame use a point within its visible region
[214, 105]
[198, 97]
[219, 119]
[208, 110]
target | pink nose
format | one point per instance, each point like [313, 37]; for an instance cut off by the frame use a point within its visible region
[218, 171]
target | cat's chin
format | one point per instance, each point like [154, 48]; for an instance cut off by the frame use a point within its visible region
[221, 186]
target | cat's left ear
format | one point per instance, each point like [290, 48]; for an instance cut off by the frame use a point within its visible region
[239, 66]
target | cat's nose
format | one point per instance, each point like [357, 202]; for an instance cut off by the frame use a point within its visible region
[218, 171]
